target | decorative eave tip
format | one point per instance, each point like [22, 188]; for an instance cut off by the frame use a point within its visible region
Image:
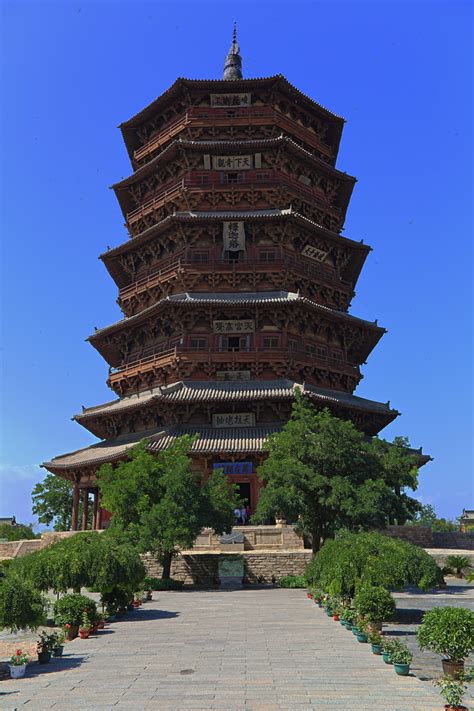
[233, 61]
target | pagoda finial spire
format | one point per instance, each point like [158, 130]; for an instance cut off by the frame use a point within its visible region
[233, 61]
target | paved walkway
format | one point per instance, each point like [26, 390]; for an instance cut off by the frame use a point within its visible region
[247, 650]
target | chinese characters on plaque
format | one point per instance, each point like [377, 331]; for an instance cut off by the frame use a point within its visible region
[235, 467]
[313, 253]
[234, 326]
[234, 419]
[231, 99]
[234, 236]
[232, 162]
[233, 375]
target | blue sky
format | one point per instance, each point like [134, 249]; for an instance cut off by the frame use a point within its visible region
[400, 73]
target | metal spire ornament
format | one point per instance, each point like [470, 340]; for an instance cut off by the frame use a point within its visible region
[233, 61]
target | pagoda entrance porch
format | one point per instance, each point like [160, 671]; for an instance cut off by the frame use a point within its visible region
[81, 494]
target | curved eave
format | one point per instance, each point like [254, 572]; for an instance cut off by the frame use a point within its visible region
[128, 128]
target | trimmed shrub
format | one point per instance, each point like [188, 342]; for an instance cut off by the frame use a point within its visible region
[293, 581]
[342, 565]
[68, 609]
[18, 532]
[162, 584]
[21, 605]
[373, 603]
[448, 631]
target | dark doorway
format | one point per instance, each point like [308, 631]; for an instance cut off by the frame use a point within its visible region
[243, 492]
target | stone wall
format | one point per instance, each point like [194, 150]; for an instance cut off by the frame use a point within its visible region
[255, 537]
[419, 535]
[260, 566]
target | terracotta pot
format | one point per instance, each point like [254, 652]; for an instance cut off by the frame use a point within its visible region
[447, 707]
[101, 624]
[452, 669]
[84, 634]
[310, 595]
[71, 632]
[335, 618]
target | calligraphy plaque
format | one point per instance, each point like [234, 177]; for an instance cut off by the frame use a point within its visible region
[234, 326]
[233, 375]
[232, 162]
[313, 253]
[234, 419]
[235, 467]
[231, 100]
[234, 236]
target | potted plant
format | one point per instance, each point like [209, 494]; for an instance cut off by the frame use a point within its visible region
[18, 662]
[458, 563]
[448, 631]
[85, 627]
[375, 604]
[349, 617]
[58, 644]
[387, 645]
[362, 630]
[45, 646]
[400, 656]
[68, 612]
[375, 639]
[453, 692]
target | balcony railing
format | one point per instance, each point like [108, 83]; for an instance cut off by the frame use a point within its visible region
[211, 180]
[171, 268]
[255, 355]
[210, 117]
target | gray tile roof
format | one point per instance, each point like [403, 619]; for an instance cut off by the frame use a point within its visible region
[230, 391]
[238, 299]
[244, 439]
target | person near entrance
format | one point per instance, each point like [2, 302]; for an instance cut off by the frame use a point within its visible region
[243, 515]
[237, 516]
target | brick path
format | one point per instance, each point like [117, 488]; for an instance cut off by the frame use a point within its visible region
[248, 650]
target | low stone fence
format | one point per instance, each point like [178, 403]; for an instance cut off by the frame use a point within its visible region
[255, 538]
[260, 566]
[419, 535]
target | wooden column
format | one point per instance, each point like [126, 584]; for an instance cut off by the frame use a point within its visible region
[85, 508]
[95, 511]
[75, 508]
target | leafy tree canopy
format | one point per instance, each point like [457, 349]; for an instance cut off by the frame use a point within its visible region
[361, 559]
[426, 516]
[17, 532]
[21, 605]
[322, 471]
[158, 502]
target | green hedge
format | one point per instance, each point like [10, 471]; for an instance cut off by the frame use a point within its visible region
[162, 584]
[342, 565]
[293, 581]
[69, 609]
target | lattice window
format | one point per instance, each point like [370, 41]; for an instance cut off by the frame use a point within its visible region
[267, 255]
[271, 342]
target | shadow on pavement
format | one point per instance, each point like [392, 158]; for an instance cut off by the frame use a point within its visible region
[57, 664]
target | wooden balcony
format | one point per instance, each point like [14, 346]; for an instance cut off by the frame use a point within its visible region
[210, 181]
[186, 356]
[171, 269]
[209, 117]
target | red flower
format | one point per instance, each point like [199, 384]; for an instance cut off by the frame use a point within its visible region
[18, 652]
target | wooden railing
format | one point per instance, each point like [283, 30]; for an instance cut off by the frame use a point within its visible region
[171, 268]
[212, 180]
[256, 355]
[210, 117]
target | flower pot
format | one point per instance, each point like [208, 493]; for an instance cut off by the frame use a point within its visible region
[17, 670]
[71, 632]
[58, 651]
[44, 657]
[452, 669]
[376, 648]
[401, 669]
[447, 707]
[361, 637]
[355, 630]
[149, 596]
[343, 622]
[328, 612]
[335, 618]
[386, 658]
[84, 634]
[94, 629]
[309, 595]
[101, 624]
[320, 604]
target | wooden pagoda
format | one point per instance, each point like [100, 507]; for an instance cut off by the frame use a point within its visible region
[235, 282]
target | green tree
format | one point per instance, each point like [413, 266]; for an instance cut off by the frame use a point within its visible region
[400, 471]
[52, 501]
[16, 533]
[426, 516]
[158, 502]
[21, 605]
[322, 471]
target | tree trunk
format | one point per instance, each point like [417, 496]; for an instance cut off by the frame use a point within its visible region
[316, 542]
[167, 558]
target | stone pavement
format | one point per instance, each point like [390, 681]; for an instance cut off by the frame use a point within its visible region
[248, 650]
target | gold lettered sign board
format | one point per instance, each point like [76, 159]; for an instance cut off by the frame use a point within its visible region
[231, 99]
[234, 236]
[232, 162]
[234, 419]
[234, 326]
[231, 566]
[314, 253]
